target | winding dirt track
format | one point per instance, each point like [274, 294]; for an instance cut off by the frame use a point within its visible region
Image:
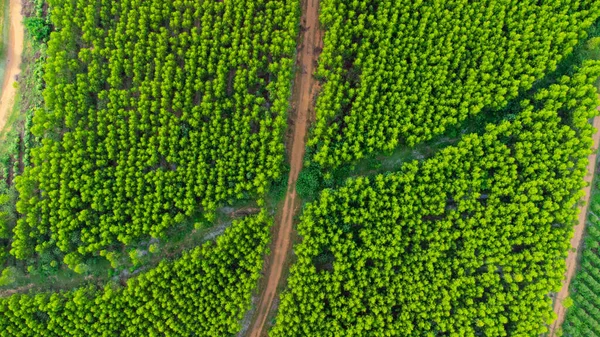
[305, 88]
[13, 61]
[559, 309]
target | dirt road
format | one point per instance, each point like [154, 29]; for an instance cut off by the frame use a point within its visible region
[13, 61]
[305, 87]
[577, 237]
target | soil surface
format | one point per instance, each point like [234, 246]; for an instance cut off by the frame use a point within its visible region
[559, 309]
[13, 61]
[305, 89]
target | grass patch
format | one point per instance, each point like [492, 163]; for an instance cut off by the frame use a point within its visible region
[277, 190]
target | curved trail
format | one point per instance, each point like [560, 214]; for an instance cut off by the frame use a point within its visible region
[13, 61]
[559, 309]
[305, 88]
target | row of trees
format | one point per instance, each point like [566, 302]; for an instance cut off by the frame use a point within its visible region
[17, 139]
[583, 318]
[404, 70]
[204, 293]
[4, 228]
[153, 108]
[467, 243]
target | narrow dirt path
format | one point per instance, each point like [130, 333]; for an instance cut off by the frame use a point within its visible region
[559, 309]
[13, 61]
[305, 88]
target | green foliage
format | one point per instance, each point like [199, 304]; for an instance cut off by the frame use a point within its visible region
[405, 70]
[5, 226]
[37, 27]
[153, 109]
[583, 318]
[593, 43]
[4, 230]
[204, 293]
[135, 255]
[309, 182]
[567, 302]
[113, 258]
[81, 268]
[467, 243]
[8, 276]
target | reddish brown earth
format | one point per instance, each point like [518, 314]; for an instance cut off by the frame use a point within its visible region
[13, 61]
[559, 309]
[305, 89]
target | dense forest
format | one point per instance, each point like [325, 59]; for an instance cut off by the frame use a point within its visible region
[469, 243]
[204, 293]
[583, 316]
[399, 72]
[153, 110]
[151, 167]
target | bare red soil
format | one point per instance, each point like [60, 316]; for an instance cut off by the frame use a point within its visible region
[305, 89]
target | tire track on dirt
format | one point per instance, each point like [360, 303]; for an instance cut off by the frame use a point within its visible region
[13, 61]
[305, 88]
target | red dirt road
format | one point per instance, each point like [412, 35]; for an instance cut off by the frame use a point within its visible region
[305, 88]
[559, 309]
[13, 60]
